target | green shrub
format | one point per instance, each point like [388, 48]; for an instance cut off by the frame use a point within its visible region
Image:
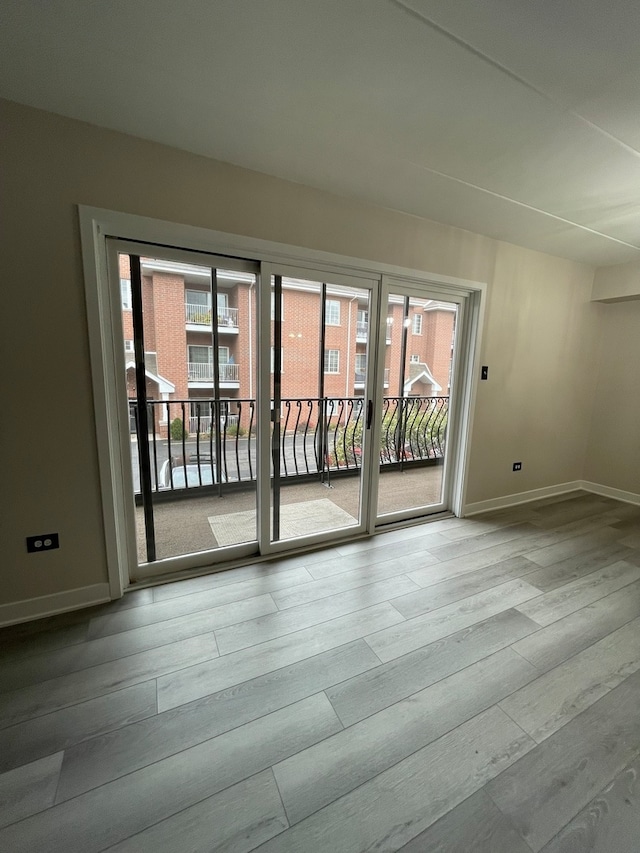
[234, 429]
[178, 430]
[230, 431]
[425, 435]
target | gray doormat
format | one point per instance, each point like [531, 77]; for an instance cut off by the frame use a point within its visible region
[298, 519]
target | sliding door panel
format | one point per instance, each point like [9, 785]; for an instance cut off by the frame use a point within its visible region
[189, 337]
[319, 350]
[417, 380]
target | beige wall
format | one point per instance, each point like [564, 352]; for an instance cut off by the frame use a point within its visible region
[613, 451]
[540, 347]
[618, 282]
[539, 335]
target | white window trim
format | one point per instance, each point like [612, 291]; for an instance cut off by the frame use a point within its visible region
[414, 359]
[416, 321]
[332, 302]
[327, 361]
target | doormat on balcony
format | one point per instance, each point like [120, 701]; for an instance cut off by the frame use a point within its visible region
[298, 519]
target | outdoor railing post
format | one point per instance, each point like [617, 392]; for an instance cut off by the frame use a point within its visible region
[398, 431]
[325, 440]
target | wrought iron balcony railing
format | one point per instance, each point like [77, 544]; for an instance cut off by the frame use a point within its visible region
[318, 436]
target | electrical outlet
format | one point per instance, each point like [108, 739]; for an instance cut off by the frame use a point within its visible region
[517, 466]
[44, 542]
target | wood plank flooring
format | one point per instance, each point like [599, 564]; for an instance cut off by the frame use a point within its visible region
[463, 685]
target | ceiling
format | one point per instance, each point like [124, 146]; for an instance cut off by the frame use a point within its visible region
[515, 119]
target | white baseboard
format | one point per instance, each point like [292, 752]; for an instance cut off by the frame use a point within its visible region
[50, 605]
[521, 498]
[548, 492]
[610, 492]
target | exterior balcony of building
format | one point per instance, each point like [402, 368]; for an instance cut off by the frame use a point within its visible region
[200, 375]
[362, 332]
[361, 377]
[224, 463]
[198, 318]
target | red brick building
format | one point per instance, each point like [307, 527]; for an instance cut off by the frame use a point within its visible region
[178, 318]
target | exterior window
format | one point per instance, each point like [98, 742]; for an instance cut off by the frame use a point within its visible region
[204, 355]
[199, 297]
[333, 314]
[200, 364]
[332, 361]
[198, 307]
[125, 294]
[200, 355]
[362, 325]
[414, 359]
[128, 346]
[203, 409]
[417, 324]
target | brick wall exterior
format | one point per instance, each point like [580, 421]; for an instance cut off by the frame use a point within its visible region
[166, 335]
[438, 333]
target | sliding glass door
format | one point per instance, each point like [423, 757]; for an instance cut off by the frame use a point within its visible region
[265, 407]
[320, 392]
[414, 421]
[190, 378]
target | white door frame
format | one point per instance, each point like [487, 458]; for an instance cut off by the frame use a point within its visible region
[96, 225]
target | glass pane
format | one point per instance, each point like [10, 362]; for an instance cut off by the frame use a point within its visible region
[417, 377]
[198, 297]
[319, 446]
[202, 449]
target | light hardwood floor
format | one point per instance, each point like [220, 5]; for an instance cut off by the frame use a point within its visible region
[463, 685]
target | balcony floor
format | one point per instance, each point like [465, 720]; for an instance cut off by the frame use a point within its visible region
[182, 526]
